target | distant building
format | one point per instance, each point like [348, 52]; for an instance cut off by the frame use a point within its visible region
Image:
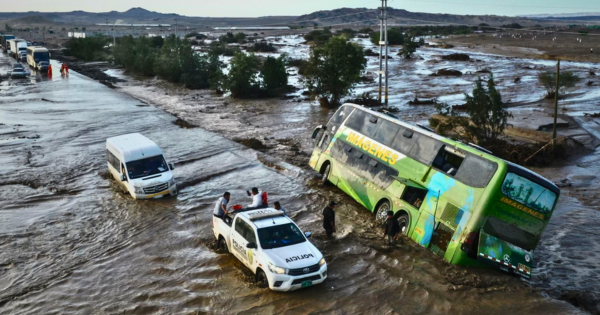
[252, 28]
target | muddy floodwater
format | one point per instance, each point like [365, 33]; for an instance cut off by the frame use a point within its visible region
[71, 242]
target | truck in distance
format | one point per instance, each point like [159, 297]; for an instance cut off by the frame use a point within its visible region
[273, 247]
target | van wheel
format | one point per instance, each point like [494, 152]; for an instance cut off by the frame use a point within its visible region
[222, 245]
[404, 222]
[325, 175]
[261, 279]
[381, 212]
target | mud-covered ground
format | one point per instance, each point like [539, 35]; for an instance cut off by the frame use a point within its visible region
[72, 242]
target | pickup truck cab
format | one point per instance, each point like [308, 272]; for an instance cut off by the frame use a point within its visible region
[273, 247]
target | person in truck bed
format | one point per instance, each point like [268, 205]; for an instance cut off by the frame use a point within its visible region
[221, 206]
[259, 199]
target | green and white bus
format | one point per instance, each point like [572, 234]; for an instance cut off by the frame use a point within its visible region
[457, 199]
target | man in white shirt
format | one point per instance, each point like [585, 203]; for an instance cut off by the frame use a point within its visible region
[221, 206]
[257, 199]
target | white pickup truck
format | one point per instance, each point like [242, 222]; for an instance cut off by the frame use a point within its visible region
[273, 247]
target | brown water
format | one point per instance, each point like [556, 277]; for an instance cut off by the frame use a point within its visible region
[72, 243]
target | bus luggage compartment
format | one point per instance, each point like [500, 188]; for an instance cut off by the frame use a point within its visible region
[506, 246]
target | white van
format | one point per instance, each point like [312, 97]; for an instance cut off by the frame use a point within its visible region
[139, 165]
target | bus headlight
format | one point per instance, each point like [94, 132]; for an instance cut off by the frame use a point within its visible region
[277, 270]
[322, 261]
[138, 190]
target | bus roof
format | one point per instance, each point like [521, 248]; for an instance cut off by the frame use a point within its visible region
[37, 48]
[463, 146]
[133, 146]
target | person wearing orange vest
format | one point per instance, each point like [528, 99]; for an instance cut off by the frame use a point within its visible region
[64, 69]
[49, 70]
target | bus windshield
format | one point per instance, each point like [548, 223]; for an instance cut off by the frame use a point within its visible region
[528, 193]
[41, 56]
[146, 167]
[280, 236]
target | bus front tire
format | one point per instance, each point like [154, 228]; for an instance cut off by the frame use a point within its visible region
[404, 222]
[381, 212]
[261, 279]
[325, 175]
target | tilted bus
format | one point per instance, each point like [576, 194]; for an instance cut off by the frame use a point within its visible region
[456, 199]
[37, 55]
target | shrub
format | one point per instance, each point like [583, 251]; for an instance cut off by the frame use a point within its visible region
[409, 48]
[301, 64]
[346, 32]
[262, 47]
[242, 80]
[318, 37]
[395, 37]
[89, 48]
[548, 80]
[366, 30]
[274, 75]
[487, 112]
[334, 69]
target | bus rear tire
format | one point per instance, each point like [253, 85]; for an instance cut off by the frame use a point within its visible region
[404, 221]
[325, 174]
[381, 212]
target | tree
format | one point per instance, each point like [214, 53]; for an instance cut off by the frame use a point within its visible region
[567, 80]
[409, 48]
[334, 69]
[242, 80]
[395, 37]
[318, 37]
[487, 112]
[273, 74]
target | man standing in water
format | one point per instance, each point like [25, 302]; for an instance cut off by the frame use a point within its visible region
[392, 228]
[221, 206]
[329, 219]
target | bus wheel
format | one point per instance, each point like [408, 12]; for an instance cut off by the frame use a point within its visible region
[404, 222]
[325, 175]
[261, 279]
[381, 212]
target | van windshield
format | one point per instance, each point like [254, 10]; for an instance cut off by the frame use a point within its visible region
[146, 167]
[280, 236]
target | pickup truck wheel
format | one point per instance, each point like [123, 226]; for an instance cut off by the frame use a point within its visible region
[261, 279]
[222, 245]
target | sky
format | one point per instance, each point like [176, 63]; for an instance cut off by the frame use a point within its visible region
[253, 8]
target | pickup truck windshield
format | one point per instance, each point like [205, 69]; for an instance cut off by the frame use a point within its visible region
[146, 167]
[280, 236]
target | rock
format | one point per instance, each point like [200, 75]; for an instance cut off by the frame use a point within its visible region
[448, 72]
[456, 57]
[517, 80]
[590, 83]
[592, 72]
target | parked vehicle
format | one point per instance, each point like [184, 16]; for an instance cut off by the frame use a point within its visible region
[35, 55]
[139, 166]
[16, 46]
[460, 201]
[273, 247]
[4, 42]
[18, 71]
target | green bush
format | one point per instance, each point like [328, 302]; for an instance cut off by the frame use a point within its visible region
[274, 74]
[89, 48]
[242, 80]
[334, 69]
[366, 30]
[395, 37]
[262, 47]
[230, 38]
[318, 37]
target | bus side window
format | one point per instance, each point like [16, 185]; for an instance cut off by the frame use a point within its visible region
[448, 161]
[414, 196]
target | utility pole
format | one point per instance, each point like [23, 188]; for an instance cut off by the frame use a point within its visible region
[386, 54]
[382, 41]
[556, 100]
[175, 27]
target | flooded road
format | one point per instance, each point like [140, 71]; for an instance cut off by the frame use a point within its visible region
[72, 243]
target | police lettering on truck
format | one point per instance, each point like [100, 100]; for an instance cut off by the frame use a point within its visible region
[273, 247]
